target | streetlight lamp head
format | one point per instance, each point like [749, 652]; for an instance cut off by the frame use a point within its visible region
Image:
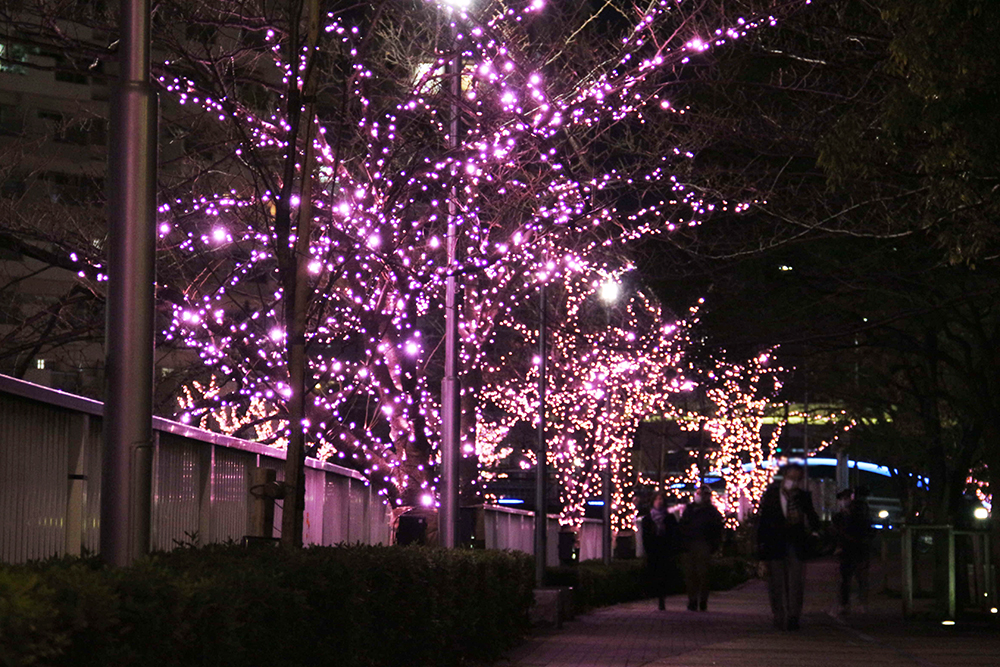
[460, 5]
[610, 291]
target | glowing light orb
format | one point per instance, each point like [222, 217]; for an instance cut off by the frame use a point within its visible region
[610, 291]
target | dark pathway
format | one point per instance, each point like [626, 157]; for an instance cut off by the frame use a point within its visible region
[737, 632]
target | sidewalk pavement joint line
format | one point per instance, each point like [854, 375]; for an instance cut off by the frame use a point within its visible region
[871, 640]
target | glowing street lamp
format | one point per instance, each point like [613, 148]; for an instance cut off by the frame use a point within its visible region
[610, 291]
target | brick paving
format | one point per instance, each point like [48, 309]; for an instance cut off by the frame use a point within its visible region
[736, 631]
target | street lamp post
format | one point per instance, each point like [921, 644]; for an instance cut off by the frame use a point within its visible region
[610, 292]
[606, 527]
[541, 466]
[450, 386]
[126, 463]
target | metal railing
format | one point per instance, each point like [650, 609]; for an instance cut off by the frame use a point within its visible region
[510, 528]
[50, 482]
[965, 579]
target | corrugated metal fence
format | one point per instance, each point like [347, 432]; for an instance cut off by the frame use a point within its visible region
[50, 482]
[509, 528]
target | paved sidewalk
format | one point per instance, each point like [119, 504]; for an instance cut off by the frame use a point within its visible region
[736, 631]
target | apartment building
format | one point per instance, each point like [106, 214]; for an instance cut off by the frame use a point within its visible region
[54, 132]
[53, 136]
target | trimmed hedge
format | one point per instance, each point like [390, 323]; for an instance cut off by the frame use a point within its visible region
[730, 571]
[597, 585]
[224, 605]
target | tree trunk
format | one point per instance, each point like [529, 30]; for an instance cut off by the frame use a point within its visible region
[296, 308]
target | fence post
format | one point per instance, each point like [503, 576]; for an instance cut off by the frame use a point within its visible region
[906, 556]
[951, 573]
[79, 431]
[988, 582]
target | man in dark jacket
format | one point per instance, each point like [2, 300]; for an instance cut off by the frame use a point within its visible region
[701, 534]
[785, 522]
[853, 530]
[659, 541]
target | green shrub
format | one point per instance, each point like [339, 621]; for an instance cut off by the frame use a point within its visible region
[224, 605]
[730, 571]
[28, 632]
[597, 585]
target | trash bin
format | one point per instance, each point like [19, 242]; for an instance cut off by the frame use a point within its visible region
[412, 529]
[625, 545]
[567, 547]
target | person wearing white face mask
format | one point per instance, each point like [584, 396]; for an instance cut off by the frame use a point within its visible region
[785, 520]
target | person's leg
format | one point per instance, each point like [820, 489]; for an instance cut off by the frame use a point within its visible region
[704, 555]
[657, 574]
[796, 579]
[703, 585]
[846, 572]
[777, 577]
[861, 571]
[689, 562]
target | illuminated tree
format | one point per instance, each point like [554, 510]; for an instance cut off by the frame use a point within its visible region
[606, 372]
[739, 398]
[306, 230]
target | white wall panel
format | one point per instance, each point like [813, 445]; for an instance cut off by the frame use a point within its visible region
[590, 539]
[312, 519]
[176, 476]
[336, 513]
[200, 481]
[33, 478]
[230, 500]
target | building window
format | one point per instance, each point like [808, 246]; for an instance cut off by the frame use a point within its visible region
[53, 123]
[11, 120]
[12, 59]
[12, 188]
[76, 131]
[70, 71]
[40, 364]
[72, 189]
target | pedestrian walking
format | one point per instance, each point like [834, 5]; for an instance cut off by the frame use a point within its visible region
[701, 535]
[660, 542]
[852, 529]
[786, 521]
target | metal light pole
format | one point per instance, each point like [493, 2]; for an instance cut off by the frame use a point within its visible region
[610, 291]
[606, 528]
[126, 464]
[541, 467]
[450, 385]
